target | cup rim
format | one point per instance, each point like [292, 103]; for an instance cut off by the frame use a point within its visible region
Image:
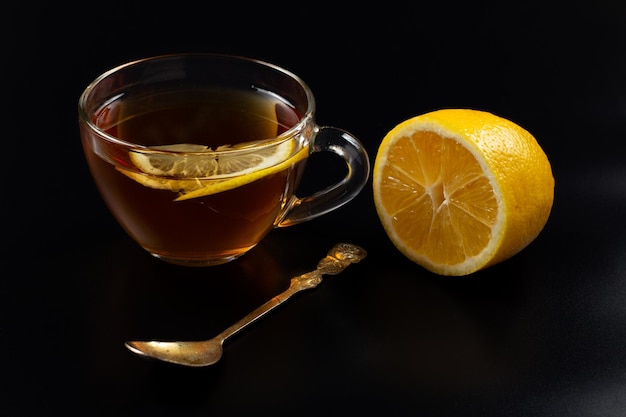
[85, 118]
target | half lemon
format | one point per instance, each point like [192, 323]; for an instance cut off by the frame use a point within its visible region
[458, 190]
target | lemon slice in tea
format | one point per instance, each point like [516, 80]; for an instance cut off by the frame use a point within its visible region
[195, 171]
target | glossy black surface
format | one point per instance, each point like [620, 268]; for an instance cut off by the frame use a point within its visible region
[542, 334]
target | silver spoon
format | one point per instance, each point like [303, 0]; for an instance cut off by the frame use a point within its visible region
[208, 352]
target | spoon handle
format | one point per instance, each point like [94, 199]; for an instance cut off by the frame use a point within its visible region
[337, 259]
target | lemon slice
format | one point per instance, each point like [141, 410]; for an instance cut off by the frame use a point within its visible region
[196, 171]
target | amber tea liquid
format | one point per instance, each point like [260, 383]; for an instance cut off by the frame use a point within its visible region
[223, 225]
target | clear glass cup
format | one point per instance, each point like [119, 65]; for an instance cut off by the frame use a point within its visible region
[199, 156]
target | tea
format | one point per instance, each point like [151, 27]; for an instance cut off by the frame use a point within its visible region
[152, 203]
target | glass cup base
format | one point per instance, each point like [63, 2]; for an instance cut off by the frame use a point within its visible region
[197, 262]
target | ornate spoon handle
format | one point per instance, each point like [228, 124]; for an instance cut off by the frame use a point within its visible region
[337, 259]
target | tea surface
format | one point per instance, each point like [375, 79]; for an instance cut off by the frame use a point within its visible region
[210, 116]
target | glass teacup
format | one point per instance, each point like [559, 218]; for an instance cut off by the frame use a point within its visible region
[198, 156]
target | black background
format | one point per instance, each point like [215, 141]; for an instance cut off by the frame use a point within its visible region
[542, 334]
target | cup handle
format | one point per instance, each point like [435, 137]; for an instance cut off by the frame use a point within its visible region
[347, 147]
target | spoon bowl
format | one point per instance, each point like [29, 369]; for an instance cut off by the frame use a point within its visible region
[202, 353]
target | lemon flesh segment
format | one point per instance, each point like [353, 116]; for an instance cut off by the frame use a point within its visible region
[187, 162]
[453, 192]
